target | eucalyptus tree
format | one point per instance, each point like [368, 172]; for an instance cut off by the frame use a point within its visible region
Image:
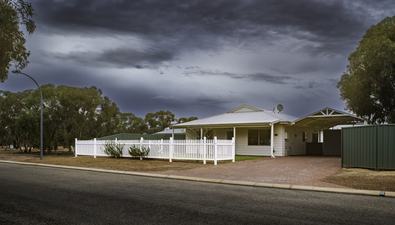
[108, 118]
[368, 86]
[80, 110]
[159, 121]
[14, 13]
[14, 125]
[185, 119]
[131, 123]
[52, 116]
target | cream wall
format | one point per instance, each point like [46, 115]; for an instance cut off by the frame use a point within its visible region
[287, 140]
[279, 140]
[294, 144]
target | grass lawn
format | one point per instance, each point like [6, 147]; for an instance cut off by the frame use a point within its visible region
[239, 158]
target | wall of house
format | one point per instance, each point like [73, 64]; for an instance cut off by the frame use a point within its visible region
[242, 147]
[279, 137]
[190, 134]
[222, 133]
[294, 144]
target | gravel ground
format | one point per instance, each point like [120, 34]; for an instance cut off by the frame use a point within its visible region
[363, 179]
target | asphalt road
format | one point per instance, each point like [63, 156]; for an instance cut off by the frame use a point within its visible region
[41, 195]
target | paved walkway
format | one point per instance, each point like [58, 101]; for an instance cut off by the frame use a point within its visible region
[300, 170]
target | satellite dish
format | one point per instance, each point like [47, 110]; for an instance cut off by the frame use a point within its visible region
[280, 108]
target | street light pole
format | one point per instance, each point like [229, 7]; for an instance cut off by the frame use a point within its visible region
[41, 118]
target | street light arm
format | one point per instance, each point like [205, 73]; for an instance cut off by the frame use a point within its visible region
[31, 78]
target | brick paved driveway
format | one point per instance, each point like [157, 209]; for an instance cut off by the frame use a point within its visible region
[301, 170]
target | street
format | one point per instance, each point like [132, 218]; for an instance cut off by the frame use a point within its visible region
[42, 195]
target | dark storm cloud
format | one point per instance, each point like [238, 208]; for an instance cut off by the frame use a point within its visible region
[331, 25]
[156, 34]
[309, 85]
[120, 58]
[258, 77]
[140, 101]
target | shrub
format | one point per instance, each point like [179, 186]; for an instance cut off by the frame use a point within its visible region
[113, 149]
[137, 152]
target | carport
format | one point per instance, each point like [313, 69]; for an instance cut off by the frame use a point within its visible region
[325, 140]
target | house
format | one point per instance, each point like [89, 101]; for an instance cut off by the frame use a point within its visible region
[268, 133]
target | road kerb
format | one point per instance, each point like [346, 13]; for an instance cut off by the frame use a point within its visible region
[390, 194]
[285, 186]
[209, 180]
[260, 184]
[220, 181]
[301, 187]
[183, 178]
[147, 174]
[236, 182]
[101, 170]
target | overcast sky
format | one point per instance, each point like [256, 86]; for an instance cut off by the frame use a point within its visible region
[199, 58]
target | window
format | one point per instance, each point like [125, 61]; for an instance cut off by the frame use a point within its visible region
[259, 137]
[304, 136]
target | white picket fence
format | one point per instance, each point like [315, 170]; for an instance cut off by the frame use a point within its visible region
[205, 149]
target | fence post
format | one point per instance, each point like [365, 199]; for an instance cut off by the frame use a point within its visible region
[204, 150]
[141, 146]
[75, 150]
[94, 148]
[215, 150]
[233, 149]
[161, 146]
[171, 149]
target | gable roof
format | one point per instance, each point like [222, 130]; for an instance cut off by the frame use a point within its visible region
[245, 108]
[248, 116]
[241, 116]
[327, 118]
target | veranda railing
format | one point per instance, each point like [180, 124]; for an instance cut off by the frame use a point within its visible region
[205, 149]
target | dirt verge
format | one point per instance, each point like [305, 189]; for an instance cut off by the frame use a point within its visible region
[363, 179]
[66, 158]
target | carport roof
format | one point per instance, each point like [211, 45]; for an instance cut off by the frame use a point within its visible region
[327, 118]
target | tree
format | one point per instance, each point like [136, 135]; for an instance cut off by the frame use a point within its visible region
[368, 86]
[16, 120]
[130, 123]
[12, 41]
[159, 121]
[184, 119]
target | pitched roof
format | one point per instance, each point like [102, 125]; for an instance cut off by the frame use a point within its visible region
[169, 131]
[327, 118]
[241, 116]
